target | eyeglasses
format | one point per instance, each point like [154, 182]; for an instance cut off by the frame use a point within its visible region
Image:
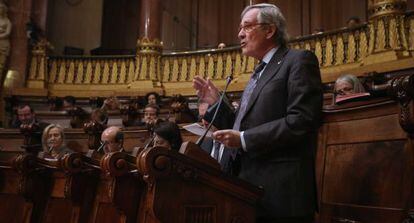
[250, 27]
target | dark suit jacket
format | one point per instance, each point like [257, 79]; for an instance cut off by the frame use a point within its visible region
[37, 136]
[280, 130]
[225, 161]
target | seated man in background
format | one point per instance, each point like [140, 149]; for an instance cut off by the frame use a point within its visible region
[167, 134]
[53, 142]
[181, 111]
[29, 126]
[79, 115]
[111, 103]
[26, 115]
[151, 118]
[112, 139]
[99, 116]
[353, 22]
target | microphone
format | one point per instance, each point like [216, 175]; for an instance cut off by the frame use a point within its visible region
[101, 146]
[228, 81]
[50, 144]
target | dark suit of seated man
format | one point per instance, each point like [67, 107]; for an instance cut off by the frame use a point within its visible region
[26, 118]
[275, 130]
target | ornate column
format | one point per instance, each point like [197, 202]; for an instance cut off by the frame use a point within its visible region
[149, 45]
[38, 61]
[388, 32]
[19, 14]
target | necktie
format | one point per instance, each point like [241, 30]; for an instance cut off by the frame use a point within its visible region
[247, 93]
[216, 154]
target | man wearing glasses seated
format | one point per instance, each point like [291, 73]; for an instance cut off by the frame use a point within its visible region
[112, 139]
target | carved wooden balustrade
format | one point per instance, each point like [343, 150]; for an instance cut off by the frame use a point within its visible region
[384, 43]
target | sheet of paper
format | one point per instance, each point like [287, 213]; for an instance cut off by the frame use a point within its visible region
[197, 129]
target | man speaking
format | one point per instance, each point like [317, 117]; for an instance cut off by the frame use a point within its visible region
[274, 133]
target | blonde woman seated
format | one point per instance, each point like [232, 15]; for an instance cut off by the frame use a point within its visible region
[53, 141]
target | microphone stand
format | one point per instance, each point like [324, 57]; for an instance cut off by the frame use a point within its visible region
[150, 142]
[201, 139]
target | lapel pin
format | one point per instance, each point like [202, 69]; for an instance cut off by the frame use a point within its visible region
[279, 62]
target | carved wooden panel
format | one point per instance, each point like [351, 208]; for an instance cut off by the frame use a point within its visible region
[200, 214]
[364, 165]
[60, 210]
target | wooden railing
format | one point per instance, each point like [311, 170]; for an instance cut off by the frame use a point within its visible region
[339, 47]
[91, 70]
[384, 43]
[215, 64]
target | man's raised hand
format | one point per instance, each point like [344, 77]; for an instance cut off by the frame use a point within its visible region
[206, 91]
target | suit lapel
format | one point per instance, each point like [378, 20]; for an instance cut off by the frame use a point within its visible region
[268, 73]
[225, 157]
[207, 145]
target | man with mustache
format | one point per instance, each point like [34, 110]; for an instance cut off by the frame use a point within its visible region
[273, 134]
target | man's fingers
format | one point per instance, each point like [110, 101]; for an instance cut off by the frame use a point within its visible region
[197, 84]
[199, 81]
[230, 138]
[212, 86]
[218, 134]
[222, 135]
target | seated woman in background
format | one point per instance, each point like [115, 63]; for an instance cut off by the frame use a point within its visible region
[167, 135]
[153, 98]
[348, 84]
[349, 88]
[53, 142]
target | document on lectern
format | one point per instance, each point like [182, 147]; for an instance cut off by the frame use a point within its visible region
[197, 129]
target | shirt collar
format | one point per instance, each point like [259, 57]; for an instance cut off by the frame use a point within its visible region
[268, 56]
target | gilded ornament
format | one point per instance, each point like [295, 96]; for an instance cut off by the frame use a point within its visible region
[318, 51]
[105, 74]
[166, 71]
[219, 67]
[174, 76]
[329, 52]
[184, 71]
[377, 8]
[193, 68]
[229, 66]
[238, 65]
[147, 46]
[210, 67]
[352, 49]
[339, 58]
[114, 72]
[380, 37]
[88, 73]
